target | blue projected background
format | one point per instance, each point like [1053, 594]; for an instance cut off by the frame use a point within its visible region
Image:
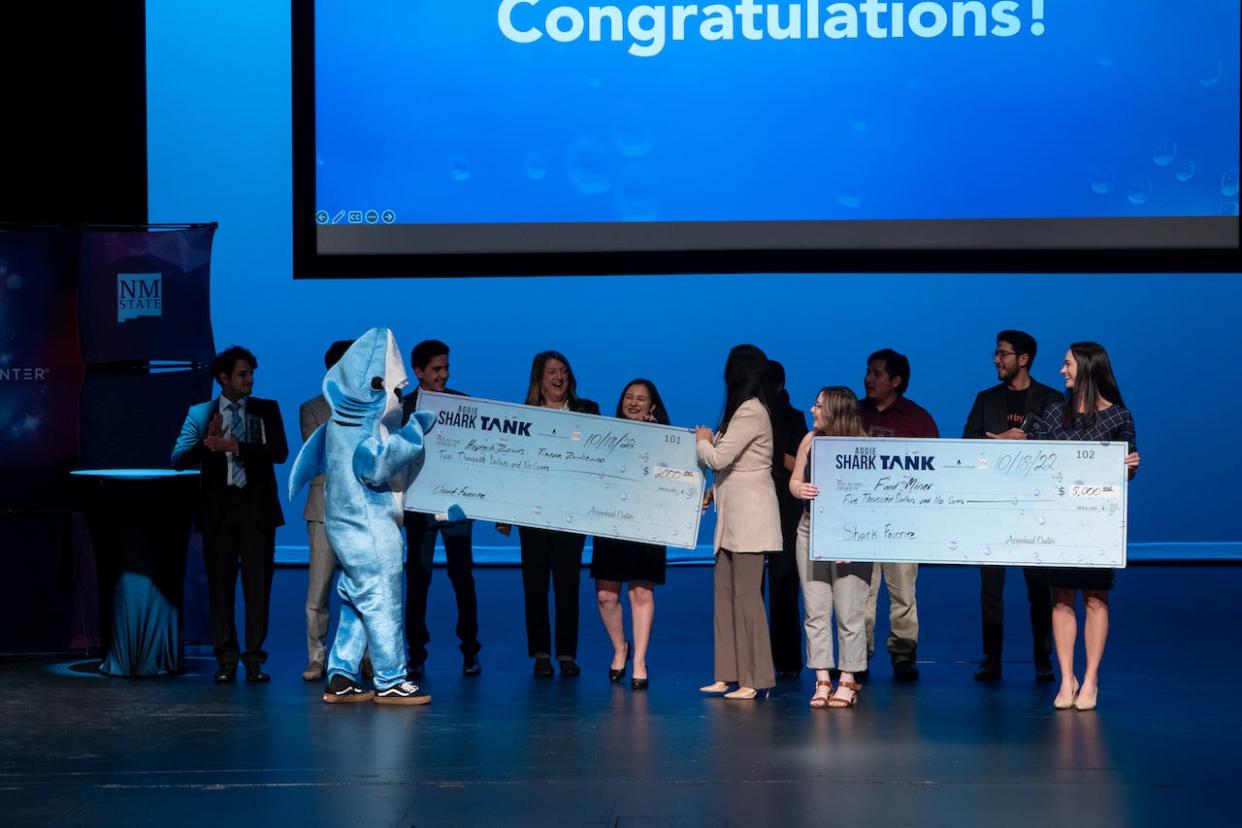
[221, 148]
[1116, 109]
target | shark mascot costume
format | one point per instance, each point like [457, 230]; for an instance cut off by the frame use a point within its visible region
[367, 458]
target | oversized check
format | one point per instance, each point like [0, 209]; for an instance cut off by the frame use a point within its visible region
[553, 469]
[1037, 503]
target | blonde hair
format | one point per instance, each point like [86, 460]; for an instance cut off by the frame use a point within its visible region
[839, 408]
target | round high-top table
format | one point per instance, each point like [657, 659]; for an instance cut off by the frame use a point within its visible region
[140, 522]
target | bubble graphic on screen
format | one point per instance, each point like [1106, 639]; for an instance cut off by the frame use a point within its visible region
[1229, 208]
[1184, 171]
[1229, 183]
[589, 167]
[1103, 180]
[539, 510]
[1212, 74]
[1165, 153]
[459, 168]
[1042, 520]
[625, 496]
[1139, 191]
[635, 195]
[535, 167]
[952, 546]
[848, 201]
[632, 136]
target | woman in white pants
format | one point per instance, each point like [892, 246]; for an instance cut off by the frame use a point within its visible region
[826, 585]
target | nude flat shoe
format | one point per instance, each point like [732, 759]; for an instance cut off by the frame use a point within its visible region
[715, 687]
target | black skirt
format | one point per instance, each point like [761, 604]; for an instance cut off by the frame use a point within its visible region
[1075, 577]
[618, 560]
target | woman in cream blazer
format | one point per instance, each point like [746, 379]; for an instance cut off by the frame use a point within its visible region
[748, 525]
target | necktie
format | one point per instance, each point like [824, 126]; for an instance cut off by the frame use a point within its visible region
[236, 429]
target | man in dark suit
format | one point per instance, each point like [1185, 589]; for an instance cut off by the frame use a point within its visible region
[235, 441]
[430, 360]
[1006, 412]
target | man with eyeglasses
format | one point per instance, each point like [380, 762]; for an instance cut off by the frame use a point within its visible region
[1006, 411]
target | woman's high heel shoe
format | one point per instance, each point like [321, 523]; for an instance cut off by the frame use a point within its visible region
[637, 683]
[1079, 704]
[617, 675]
[1066, 705]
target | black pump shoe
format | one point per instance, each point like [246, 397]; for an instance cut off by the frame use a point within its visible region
[638, 683]
[616, 675]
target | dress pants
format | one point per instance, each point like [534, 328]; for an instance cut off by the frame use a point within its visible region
[556, 556]
[827, 588]
[992, 604]
[743, 648]
[236, 544]
[318, 583]
[420, 543]
[903, 611]
[783, 591]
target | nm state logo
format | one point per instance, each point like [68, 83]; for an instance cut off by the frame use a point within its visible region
[139, 294]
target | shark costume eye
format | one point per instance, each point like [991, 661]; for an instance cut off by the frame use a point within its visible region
[377, 383]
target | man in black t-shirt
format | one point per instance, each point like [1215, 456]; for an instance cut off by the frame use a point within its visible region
[1006, 412]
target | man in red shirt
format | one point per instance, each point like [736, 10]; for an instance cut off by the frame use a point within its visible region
[887, 413]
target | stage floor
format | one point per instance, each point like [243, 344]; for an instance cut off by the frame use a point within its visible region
[505, 748]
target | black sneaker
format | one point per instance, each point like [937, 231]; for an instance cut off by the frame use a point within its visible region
[404, 693]
[905, 671]
[342, 690]
[570, 668]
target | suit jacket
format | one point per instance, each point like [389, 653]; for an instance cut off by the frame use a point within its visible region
[989, 413]
[748, 518]
[312, 414]
[259, 454]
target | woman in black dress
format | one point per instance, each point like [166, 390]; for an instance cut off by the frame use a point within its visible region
[639, 564]
[547, 554]
[1092, 411]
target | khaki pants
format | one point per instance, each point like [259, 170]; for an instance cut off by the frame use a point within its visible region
[743, 649]
[828, 586]
[319, 581]
[903, 611]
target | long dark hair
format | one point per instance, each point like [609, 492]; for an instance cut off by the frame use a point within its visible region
[657, 403]
[534, 393]
[1093, 381]
[748, 375]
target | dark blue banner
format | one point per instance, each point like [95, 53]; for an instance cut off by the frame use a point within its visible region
[40, 365]
[145, 295]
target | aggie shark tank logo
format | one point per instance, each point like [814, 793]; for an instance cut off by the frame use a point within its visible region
[866, 457]
[468, 416]
[139, 294]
